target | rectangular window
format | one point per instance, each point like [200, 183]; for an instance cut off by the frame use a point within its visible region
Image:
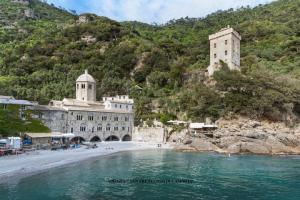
[116, 119]
[99, 128]
[116, 128]
[23, 107]
[79, 117]
[91, 118]
[72, 130]
[226, 42]
[83, 86]
[77, 86]
[126, 119]
[62, 116]
[90, 86]
[226, 53]
[215, 45]
[215, 55]
[123, 128]
[108, 128]
[104, 118]
[82, 128]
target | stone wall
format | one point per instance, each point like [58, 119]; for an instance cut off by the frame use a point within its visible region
[56, 120]
[67, 122]
[124, 127]
[149, 134]
[228, 41]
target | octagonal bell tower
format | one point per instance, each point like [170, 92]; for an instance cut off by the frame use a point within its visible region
[85, 87]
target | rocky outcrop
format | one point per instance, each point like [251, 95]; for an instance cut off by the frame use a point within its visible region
[28, 13]
[242, 135]
[88, 38]
[25, 2]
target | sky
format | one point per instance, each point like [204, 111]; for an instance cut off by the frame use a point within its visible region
[152, 11]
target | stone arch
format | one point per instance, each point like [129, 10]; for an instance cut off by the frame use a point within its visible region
[126, 138]
[78, 139]
[112, 138]
[95, 139]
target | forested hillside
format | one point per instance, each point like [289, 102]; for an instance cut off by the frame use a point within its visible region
[161, 67]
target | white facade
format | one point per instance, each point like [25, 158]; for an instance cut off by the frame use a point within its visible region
[224, 46]
[86, 87]
[122, 102]
[91, 120]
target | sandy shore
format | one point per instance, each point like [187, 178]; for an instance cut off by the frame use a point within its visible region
[37, 161]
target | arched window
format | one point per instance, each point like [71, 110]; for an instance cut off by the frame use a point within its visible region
[108, 127]
[82, 128]
[99, 127]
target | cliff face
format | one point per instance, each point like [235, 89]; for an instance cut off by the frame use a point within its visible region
[243, 135]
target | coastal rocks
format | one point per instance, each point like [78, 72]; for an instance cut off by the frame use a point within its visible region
[234, 148]
[243, 135]
[255, 135]
[178, 137]
[276, 147]
[203, 145]
[288, 139]
[185, 148]
[257, 147]
[248, 147]
[227, 141]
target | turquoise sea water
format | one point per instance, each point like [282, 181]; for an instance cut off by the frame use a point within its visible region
[211, 176]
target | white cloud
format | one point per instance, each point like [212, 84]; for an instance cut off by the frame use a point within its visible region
[149, 11]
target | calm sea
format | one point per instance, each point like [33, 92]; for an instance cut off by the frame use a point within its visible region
[164, 174]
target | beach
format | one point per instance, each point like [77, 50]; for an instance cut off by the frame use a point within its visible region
[37, 161]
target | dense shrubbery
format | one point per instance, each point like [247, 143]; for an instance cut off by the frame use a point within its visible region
[11, 124]
[42, 57]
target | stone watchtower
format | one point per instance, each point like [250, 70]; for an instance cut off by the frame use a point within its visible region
[225, 46]
[85, 87]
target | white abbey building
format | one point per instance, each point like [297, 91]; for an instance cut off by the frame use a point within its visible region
[88, 119]
[225, 46]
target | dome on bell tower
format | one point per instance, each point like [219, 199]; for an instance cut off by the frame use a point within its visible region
[86, 87]
[86, 77]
